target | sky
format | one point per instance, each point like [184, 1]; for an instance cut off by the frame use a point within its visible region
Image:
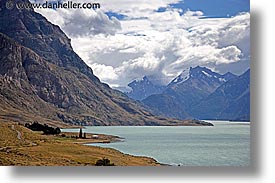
[125, 40]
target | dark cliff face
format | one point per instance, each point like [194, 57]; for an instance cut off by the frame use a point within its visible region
[42, 78]
[18, 99]
[33, 31]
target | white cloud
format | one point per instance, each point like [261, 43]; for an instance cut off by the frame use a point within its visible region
[104, 72]
[161, 44]
[88, 22]
[82, 22]
[135, 9]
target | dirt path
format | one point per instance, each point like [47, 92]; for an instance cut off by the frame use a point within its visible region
[18, 133]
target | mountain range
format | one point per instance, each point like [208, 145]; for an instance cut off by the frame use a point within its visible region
[230, 101]
[200, 93]
[143, 88]
[43, 79]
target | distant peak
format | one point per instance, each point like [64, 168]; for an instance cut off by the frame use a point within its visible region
[227, 76]
[246, 74]
[199, 68]
[202, 73]
[194, 72]
[184, 75]
[205, 73]
[144, 80]
[248, 71]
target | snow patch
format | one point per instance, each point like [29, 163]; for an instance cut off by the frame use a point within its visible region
[182, 77]
[222, 80]
[208, 75]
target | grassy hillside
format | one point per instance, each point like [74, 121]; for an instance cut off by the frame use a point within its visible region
[23, 147]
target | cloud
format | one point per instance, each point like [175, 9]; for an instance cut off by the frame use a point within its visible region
[156, 44]
[135, 9]
[82, 22]
[104, 72]
[88, 22]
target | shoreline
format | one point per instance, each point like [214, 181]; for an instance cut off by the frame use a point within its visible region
[22, 147]
[113, 139]
[106, 139]
[36, 149]
[66, 141]
[91, 138]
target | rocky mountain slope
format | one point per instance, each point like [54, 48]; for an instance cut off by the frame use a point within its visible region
[43, 79]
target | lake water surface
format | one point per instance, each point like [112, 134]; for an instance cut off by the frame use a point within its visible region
[225, 144]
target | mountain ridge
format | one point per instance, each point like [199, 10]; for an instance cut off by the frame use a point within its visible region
[43, 79]
[231, 99]
[187, 89]
[191, 88]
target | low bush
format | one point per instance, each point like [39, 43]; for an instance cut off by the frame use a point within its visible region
[104, 162]
[47, 130]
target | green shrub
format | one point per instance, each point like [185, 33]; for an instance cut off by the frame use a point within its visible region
[104, 162]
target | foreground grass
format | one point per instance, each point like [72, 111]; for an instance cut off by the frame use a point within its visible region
[35, 149]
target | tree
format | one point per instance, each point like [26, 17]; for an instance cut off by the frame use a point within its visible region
[57, 130]
[80, 133]
[84, 135]
[35, 126]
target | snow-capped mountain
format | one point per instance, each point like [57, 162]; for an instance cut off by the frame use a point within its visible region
[186, 91]
[199, 83]
[143, 88]
[231, 101]
[182, 77]
[198, 93]
[203, 74]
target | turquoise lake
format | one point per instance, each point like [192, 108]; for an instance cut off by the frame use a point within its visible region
[225, 144]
